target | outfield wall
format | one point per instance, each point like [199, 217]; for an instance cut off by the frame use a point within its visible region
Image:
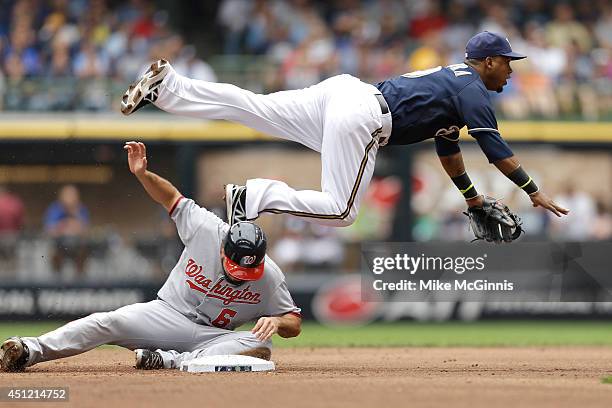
[39, 153]
[167, 128]
[327, 298]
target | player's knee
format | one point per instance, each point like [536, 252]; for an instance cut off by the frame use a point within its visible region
[340, 217]
[117, 322]
[100, 321]
[101, 318]
[252, 342]
[348, 220]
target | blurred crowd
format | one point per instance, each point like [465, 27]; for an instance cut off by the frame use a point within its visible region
[590, 218]
[569, 71]
[60, 43]
[65, 245]
[568, 74]
[69, 247]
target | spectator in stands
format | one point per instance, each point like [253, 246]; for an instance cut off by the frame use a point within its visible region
[67, 222]
[2, 88]
[289, 247]
[11, 224]
[428, 16]
[601, 230]
[21, 48]
[233, 17]
[459, 29]
[311, 60]
[565, 29]
[257, 30]
[603, 28]
[62, 93]
[190, 65]
[11, 212]
[90, 62]
[497, 19]
[15, 70]
[132, 60]
[532, 93]
[576, 84]
[59, 66]
[428, 54]
[308, 246]
[578, 226]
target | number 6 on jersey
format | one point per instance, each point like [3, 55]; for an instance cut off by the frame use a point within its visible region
[224, 318]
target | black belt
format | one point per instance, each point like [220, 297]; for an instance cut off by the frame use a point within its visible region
[384, 108]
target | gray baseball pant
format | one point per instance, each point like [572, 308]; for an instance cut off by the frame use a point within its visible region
[153, 325]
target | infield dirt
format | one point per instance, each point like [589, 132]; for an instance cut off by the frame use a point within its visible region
[342, 377]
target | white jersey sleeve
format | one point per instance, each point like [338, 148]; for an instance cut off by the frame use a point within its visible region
[189, 217]
[281, 302]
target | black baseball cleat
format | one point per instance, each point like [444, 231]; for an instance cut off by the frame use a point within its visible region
[14, 355]
[148, 360]
[146, 89]
[235, 203]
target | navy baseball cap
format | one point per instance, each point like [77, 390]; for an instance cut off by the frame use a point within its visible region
[487, 44]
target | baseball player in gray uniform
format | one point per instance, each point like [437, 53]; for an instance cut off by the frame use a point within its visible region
[222, 280]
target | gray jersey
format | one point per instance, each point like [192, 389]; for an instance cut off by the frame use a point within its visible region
[196, 286]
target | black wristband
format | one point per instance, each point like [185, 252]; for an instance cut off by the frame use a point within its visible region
[465, 186]
[522, 179]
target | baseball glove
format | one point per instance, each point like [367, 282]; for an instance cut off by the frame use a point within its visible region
[494, 222]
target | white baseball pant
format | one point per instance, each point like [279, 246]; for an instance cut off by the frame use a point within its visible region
[339, 117]
[153, 325]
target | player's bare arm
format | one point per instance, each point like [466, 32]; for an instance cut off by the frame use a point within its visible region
[160, 189]
[287, 325]
[511, 167]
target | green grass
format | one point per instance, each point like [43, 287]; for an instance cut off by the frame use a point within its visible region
[24, 329]
[607, 380]
[476, 334]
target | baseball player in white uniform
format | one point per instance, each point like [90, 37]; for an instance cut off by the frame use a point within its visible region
[347, 121]
[222, 280]
[303, 116]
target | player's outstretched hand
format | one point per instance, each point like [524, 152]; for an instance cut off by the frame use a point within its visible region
[137, 157]
[540, 199]
[265, 328]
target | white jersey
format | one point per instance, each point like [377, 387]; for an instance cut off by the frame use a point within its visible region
[197, 287]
